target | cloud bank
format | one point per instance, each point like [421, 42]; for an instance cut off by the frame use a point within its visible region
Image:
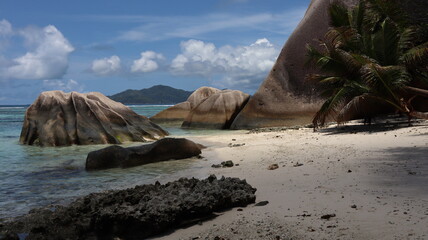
[228, 67]
[63, 85]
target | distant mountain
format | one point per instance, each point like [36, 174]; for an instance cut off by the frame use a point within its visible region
[158, 94]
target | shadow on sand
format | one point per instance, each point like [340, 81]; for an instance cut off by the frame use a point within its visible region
[381, 125]
[405, 168]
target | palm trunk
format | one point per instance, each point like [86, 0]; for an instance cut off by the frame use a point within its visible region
[418, 91]
[420, 115]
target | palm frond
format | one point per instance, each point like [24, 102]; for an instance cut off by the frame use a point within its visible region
[353, 108]
[387, 8]
[385, 82]
[337, 100]
[385, 42]
[329, 108]
[338, 14]
[346, 38]
[416, 56]
[407, 39]
[420, 75]
[357, 16]
[318, 78]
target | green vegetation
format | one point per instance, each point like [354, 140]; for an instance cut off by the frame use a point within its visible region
[371, 60]
[158, 94]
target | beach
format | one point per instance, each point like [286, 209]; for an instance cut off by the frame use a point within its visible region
[346, 182]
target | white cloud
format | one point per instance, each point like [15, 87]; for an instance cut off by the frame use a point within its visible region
[106, 66]
[243, 66]
[147, 63]
[6, 32]
[66, 86]
[5, 28]
[48, 59]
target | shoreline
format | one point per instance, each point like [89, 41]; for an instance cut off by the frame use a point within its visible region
[373, 179]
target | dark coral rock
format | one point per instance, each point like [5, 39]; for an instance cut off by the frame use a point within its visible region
[135, 213]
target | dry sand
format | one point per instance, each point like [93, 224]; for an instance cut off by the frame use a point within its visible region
[374, 180]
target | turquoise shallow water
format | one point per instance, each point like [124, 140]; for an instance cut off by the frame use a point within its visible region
[33, 176]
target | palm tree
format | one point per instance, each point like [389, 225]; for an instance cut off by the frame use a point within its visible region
[368, 57]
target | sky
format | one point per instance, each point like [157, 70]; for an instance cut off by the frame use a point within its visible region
[111, 46]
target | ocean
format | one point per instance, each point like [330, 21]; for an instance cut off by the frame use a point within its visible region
[32, 176]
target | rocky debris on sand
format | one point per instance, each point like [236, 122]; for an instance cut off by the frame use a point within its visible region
[236, 145]
[328, 216]
[135, 213]
[62, 119]
[161, 150]
[262, 203]
[297, 164]
[225, 164]
[273, 167]
[228, 163]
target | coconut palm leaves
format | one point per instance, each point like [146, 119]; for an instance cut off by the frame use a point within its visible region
[367, 56]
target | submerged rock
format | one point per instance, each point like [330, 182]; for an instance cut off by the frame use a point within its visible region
[60, 119]
[135, 213]
[161, 150]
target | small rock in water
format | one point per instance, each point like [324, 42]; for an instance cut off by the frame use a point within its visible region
[353, 206]
[216, 165]
[349, 171]
[262, 203]
[273, 167]
[298, 164]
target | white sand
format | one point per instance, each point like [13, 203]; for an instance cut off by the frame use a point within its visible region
[387, 183]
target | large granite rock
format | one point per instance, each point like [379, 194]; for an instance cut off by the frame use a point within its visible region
[217, 111]
[134, 213]
[174, 114]
[179, 112]
[200, 95]
[285, 98]
[59, 119]
[161, 150]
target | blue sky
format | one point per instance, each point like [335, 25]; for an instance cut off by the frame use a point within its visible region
[111, 46]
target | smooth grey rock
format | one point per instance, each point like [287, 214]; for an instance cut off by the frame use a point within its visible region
[61, 119]
[161, 150]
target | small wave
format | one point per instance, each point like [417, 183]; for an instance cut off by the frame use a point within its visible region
[12, 107]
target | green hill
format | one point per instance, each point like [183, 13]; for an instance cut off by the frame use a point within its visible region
[158, 94]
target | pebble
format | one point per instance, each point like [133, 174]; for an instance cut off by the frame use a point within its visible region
[273, 167]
